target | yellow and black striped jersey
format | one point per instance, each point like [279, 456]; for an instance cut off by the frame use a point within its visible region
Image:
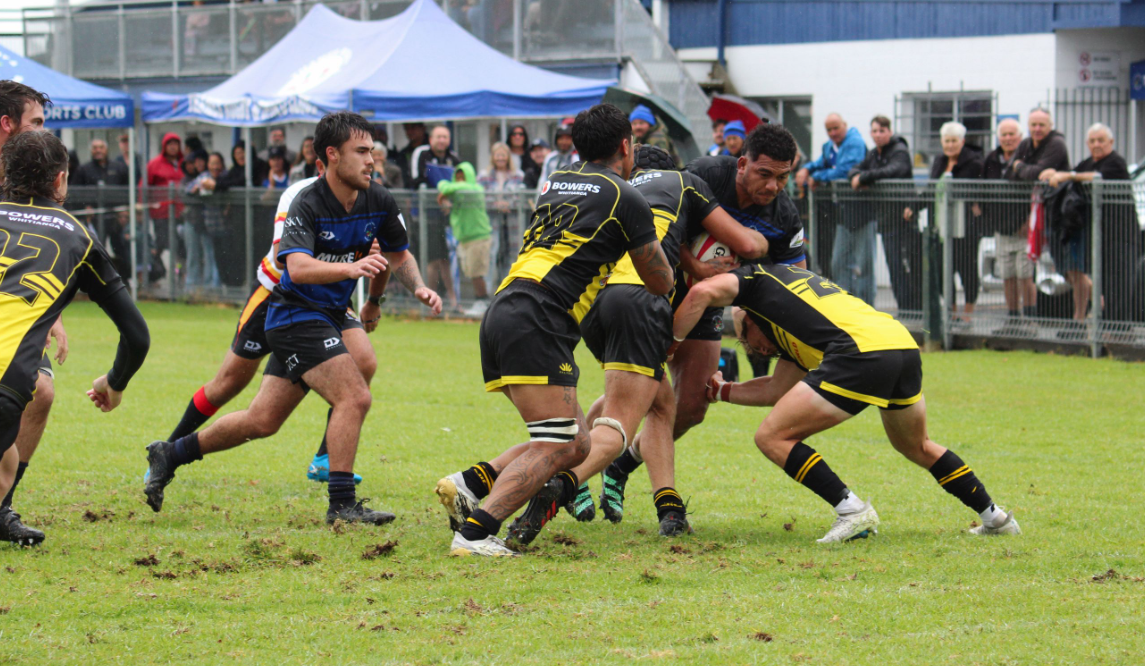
[587, 218]
[45, 256]
[680, 201]
[809, 317]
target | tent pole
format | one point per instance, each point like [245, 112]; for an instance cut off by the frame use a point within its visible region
[247, 209]
[132, 224]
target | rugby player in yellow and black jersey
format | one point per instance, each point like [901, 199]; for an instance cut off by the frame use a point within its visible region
[838, 355]
[46, 256]
[628, 330]
[587, 218]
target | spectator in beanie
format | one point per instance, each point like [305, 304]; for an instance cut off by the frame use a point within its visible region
[648, 131]
[734, 136]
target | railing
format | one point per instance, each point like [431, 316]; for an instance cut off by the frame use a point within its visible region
[951, 247]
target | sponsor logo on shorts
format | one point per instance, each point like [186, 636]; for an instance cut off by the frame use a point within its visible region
[252, 346]
[292, 362]
[332, 342]
[566, 368]
[718, 322]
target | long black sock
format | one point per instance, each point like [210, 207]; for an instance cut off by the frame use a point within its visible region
[198, 412]
[479, 479]
[808, 467]
[666, 501]
[1030, 311]
[958, 479]
[15, 482]
[569, 482]
[479, 526]
[186, 450]
[322, 447]
[341, 490]
[626, 462]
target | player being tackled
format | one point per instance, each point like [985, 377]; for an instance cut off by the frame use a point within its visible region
[838, 356]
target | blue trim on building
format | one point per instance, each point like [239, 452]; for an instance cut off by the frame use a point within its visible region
[694, 23]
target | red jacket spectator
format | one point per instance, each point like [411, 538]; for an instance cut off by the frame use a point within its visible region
[164, 169]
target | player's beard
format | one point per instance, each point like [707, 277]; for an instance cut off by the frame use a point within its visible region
[353, 177]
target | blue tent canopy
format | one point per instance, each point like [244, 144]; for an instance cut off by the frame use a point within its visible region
[75, 103]
[417, 65]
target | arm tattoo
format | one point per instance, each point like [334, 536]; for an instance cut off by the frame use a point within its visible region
[652, 258]
[408, 275]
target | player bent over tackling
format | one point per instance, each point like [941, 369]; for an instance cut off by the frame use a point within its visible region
[837, 356]
[326, 242]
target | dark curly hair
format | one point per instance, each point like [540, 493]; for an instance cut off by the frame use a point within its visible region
[335, 129]
[15, 96]
[771, 140]
[598, 132]
[32, 160]
[652, 157]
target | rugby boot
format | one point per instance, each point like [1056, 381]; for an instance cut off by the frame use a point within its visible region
[674, 523]
[458, 500]
[11, 529]
[612, 493]
[160, 472]
[319, 470]
[490, 546]
[582, 507]
[540, 510]
[357, 513]
[858, 525]
[1008, 526]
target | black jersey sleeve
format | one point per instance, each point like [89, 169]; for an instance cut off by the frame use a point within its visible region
[698, 199]
[97, 276]
[714, 171]
[789, 248]
[635, 218]
[134, 338]
[298, 229]
[393, 236]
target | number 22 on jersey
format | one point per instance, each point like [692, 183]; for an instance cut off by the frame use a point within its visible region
[27, 285]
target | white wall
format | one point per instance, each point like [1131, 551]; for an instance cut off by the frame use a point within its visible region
[861, 79]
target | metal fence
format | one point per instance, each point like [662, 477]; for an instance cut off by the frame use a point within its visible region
[948, 258]
[952, 258]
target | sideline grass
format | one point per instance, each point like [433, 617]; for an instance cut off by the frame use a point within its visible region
[239, 567]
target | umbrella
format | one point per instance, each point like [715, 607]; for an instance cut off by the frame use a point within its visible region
[679, 129]
[731, 107]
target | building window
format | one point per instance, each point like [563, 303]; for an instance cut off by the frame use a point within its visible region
[795, 115]
[921, 116]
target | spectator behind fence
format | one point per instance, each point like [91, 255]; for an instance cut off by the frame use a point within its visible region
[101, 170]
[306, 165]
[124, 148]
[1043, 151]
[961, 160]
[471, 228]
[717, 147]
[564, 155]
[500, 181]
[205, 222]
[538, 151]
[277, 139]
[1010, 223]
[843, 150]
[520, 149]
[386, 172]
[277, 177]
[236, 176]
[651, 132]
[431, 162]
[1120, 237]
[890, 158]
[416, 137]
[734, 136]
[163, 170]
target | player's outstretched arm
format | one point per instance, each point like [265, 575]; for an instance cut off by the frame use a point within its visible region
[758, 392]
[719, 291]
[404, 268]
[305, 269]
[652, 266]
[744, 242]
[134, 343]
[702, 270]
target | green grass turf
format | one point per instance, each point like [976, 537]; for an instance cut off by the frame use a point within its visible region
[239, 567]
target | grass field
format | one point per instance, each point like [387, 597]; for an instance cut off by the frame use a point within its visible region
[239, 567]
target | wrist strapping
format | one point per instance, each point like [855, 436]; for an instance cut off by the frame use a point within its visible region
[725, 392]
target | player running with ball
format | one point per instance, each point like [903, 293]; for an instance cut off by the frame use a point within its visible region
[838, 356]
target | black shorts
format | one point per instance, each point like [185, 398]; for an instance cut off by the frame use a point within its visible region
[528, 338]
[250, 336]
[628, 328]
[45, 367]
[886, 379]
[297, 348]
[711, 324]
[11, 412]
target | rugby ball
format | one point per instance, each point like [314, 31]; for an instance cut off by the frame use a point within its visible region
[706, 248]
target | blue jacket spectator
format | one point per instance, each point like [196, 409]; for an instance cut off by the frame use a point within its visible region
[844, 150]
